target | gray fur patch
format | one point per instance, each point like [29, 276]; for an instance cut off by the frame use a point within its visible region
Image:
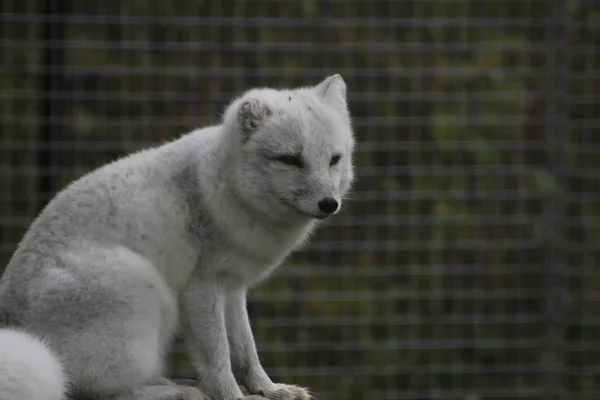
[252, 115]
[186, 180]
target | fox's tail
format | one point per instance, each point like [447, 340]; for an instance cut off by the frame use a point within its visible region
[28, 369]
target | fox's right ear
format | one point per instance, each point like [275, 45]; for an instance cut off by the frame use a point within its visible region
[251, 115]
[333, 91]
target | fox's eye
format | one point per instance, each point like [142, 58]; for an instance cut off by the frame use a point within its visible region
[334, 160]
[290, 159]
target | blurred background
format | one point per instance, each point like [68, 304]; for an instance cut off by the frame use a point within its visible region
[466, 266]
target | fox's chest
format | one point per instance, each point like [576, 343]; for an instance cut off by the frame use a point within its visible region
[243, 270]
[256, 257]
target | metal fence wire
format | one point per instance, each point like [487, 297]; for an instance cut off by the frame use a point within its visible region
[466, 265]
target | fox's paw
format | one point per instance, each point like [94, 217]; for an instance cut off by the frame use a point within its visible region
[282, 391]
[190, 393]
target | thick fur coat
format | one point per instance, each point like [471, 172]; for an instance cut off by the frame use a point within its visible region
[172, 238]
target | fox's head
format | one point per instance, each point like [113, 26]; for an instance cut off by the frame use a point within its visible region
[292, 149]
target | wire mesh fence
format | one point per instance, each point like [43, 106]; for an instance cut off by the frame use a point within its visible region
[466, 265]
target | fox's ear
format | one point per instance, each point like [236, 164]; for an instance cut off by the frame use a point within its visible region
[333, 90]
[251, 115]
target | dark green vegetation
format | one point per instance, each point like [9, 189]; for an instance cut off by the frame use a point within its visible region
[467, 265]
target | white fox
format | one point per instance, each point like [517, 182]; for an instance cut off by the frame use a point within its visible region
[168, 237]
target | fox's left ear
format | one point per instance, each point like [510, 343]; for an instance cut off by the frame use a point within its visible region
[333, 91]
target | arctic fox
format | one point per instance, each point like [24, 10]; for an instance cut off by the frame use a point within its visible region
[173, 237]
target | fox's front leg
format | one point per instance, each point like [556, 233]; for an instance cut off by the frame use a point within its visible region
[203, 306]
[244, 357]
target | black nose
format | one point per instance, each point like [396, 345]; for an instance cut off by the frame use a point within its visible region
[328, 205]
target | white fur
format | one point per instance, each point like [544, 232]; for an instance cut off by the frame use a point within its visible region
[183, 229]
[28, 369]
